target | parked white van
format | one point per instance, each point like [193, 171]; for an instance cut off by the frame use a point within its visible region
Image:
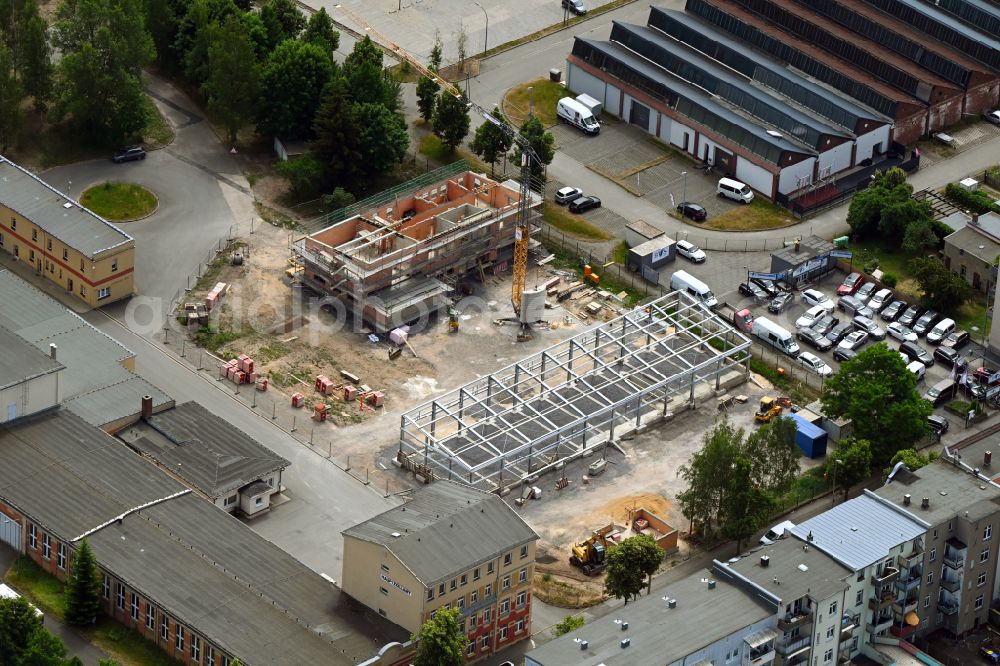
[941, 330]
[578, 115]
[693, 287]
[771, 334]
[735, 190]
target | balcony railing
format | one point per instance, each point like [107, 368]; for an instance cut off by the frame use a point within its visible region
[951, 584]
[907, 584]
[880, 625]
[879, 603]
[761, 657]
[888, 575]
[954, 560]
[793, 620]
[947, 608]
[902, 631]
[907, 561]
[903, 606]
[792, 647]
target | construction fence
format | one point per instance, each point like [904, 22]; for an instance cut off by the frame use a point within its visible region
[789, 368]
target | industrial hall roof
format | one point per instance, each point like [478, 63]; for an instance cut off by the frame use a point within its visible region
[206, 569]
[21, 362]
[56, 213]
[447, 527]
[203, 450]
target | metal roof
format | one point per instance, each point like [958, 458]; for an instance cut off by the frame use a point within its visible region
[950, 491]
[446, 528]
[861, 531]
[973, 240]
[21, 362]
[203, 450]
[784, 576]
[936, 15]
[45, 206]
[809, 247]
[659, 634]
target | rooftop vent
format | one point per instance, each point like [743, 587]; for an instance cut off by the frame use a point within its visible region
[764, 561]
[626, 642]
[809, 537]
[671, 603]
[987, 458]
[624, 626]
[584, 645]
[711, 584]
[925, 503]
[906, 499]
[396, 535]
[67, 205]
[803, 568]
[775, 134]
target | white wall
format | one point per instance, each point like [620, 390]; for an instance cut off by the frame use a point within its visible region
[789, 178]
[31, 396]
[677, 132]
[755, 176]
[612, 100]
[582, 82]
[866, 142]
[839, 158]
[706, 149]
[666, 125]
[826, 627]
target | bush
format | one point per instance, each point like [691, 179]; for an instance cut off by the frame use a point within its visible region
[568, 624]
[889, 280]
[304, 174]
[870, 266]
[976, 202]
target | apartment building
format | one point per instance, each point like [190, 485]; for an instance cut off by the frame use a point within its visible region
[971, 251]
[71, 246]
[450, 546]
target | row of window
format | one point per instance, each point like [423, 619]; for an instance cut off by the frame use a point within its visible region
[481, 619]
[48, 246]
[46, 546]
[522, 577]
[462, 580]
[502, 634]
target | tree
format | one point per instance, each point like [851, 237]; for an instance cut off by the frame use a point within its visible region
[942, 290]
[887, 207]
[232, 79]
[912, 459]
[461, 39]
[491, 142]
[18, 622]
[568, 624]
[319, 30]
[773, 454]
[367, 81]
[31, 54]
[11, 96]
[291, 88]
[629, 564]
[337, 128]
[706, 475]
[851, 463]
[283, 20]
[82, 588]
[919, 236]
[305, 174]
[434, 61]
[383, 140]
[745, 505]
[451, 120]
[255, 31]
[104, 45]
[337, 199]
[542, 142]
[162, 21]
[440, 641]
[878, 394]
[427, 89]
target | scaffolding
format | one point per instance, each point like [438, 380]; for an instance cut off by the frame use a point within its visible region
[574, 397]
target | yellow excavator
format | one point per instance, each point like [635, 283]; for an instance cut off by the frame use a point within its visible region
[769, 408]
[590, 554]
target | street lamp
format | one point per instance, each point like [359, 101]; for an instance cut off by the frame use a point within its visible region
[486, 39]
[684, 195]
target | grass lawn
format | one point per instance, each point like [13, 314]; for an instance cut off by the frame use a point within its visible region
[544, 96]
[127, 647]
[619, 255]
[431, 146]
[973, 313]
[758, 214]
[119, 201]
[157, 132]
[572, 225]
[43, 589]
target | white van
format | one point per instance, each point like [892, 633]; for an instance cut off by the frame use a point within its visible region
[776, 532]
[735, 190]
[771, 334]
[693, 287]
[941, 330]
[578, 115]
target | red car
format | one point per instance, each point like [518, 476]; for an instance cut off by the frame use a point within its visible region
[851, 284]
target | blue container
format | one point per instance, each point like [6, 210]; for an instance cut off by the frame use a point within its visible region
[810, 438]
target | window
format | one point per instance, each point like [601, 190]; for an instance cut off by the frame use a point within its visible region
[48, 244]
[475, 574]
[464, 579]
[933, 555]
[384, 591]
[106, 587]
[504, 607]
[506, 582]
[828, 656]
[460, 603]
[489, 589]
[484, 642]
[34, 234]
[521, 598]
[65, 255]
[524, 552]
[103, 293]
[949, 526]
[430, 593]
[150, 617]
[979, 602]
[81, 265]
[861, 575]
[829, 633]
[226, 660]
[229, 500]
[454, 584]
[13, 223]
[470, 649]
[385, 568]
[472, 622]
[32, 536]
[195, 649]
[927, 601]
[507, 559]
[473, 596]
[440, 589]
[522, 575]
[486, 616]
[981, 580]
[930, 578]
[179, 638]
[83, 290]
[489, 568]
[114, 266]
[259, 501]
[61, 556]
[519, 627]
[985, 555]
[503, 633]
[833, 608]
[120, 596]
[134, 599]
[1, 240]
[988, 533]
[209, 655]
[164, 628]
[46, 547]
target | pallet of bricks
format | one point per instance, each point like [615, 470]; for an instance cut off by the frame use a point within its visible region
[240, 370]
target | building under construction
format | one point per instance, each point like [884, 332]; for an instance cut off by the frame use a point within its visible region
[393, 262]
[576, 397]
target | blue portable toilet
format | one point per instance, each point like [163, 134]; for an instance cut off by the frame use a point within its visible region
[810, 438]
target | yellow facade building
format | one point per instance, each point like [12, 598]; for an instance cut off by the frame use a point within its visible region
[71, 246]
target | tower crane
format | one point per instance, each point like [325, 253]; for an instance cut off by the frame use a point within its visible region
[528, 154]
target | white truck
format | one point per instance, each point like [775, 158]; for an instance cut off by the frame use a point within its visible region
[775, 336]
[577, 114]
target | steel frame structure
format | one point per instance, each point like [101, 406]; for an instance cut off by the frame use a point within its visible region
[566, 401]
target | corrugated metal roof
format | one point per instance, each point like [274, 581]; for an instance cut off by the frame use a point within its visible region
[445, 528]
[861, 531]
[77, 227]
[20, 362]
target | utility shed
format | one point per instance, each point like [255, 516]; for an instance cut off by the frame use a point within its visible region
[804, 260]
[652, 254]
[810, 438]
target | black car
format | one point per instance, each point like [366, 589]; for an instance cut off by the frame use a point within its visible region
[769, 286]
[693, 211]
[938, 424]
[915, 352]
[584, 204]
[780, 302]
[951, 358]
[814, 339]
[837, 333]
[128, 155]
[926, 322]
[754, 291]
[824, 324]
[843, 354]
[910, 316]
[893, 311]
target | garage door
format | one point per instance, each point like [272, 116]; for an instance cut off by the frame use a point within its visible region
[10, 532]
[639, 115]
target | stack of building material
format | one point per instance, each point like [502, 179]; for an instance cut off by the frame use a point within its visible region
[376, 398]
[399, 335]
[324, 384]
[261, 383]
[214, 296]
[350, 393]
[319, 412]
[298, 400]
[245, 363]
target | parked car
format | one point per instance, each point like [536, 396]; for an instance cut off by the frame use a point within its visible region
[813, 297]
[770, 286]
[692, 211]
[950, 358]
[910, 315]
[869, 326]
[900, 332]
[850, 284]
[690, 251]
[853, 340]
[926, 321]
[824, 324]
[956, 340]
[941, 330]
[575, 6]
[880, 299]
[838, 332]
[865, 292]
[815, 363]
[892, 311]
[939, 425]
[917, 368]
[942, 392]
[814, 339]
[853, 307]
[780, 302]
[810, 316]
[583, 204]
[129, 155]
[564, 195]
[914, 352]
[983, 375]
[992, 117]
[844, 353]
[776, 532]
[753, 290]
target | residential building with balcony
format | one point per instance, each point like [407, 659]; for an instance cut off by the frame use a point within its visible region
[450, 546]
[868, 535]
[956, 578]
[808, 591]
[700, 620]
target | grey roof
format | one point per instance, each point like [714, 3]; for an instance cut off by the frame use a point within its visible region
[96, 385]
[956, 220]
[20, 362]
[77, 227]
[951, 492]
[206, 568]
[658, 634]
[936, 15]
[811, 246]
[823, 576]
[203, 450]
[974, 242]
[644, 228]
[861, 531]
[445, 528]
